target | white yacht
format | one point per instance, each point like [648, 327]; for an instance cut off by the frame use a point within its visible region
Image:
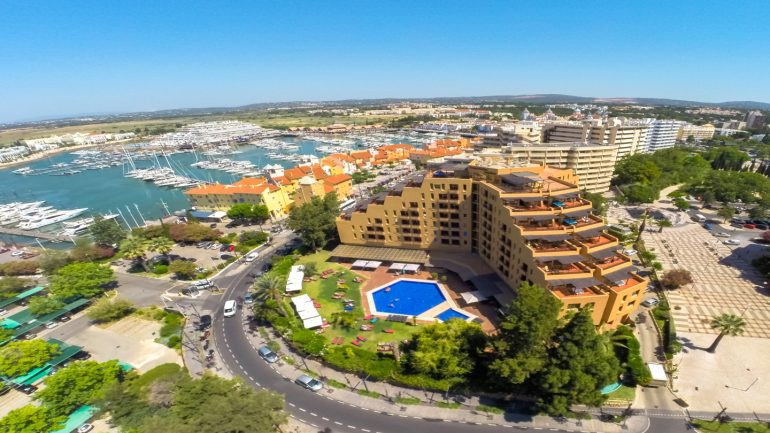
[51, 218]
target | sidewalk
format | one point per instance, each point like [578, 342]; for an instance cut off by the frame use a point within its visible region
[466, 413]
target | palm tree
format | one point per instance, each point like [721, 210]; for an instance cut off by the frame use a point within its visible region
[269, 286]
[663, 222]
[160, 245]
[135, 249]
[727, 324]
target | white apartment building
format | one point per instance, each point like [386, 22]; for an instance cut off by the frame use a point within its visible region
[661, 134]
[629, 135]
[9, 154]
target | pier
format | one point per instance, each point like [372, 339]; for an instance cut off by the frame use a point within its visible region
[35, 234]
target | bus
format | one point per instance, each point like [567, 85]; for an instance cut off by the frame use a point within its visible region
[347, 204]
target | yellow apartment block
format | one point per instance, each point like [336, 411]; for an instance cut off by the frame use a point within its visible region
[528, 222]
[247, 190]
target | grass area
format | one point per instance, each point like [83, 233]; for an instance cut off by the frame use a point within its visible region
[448, 405]
[335, 384]
[408, 400]
[322, 290]
[731, 427]
[489, 409]
[292, 120]
[371, 394]
[623, 394]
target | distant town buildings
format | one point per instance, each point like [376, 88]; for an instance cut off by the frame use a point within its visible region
[697, 132]
[77, 138]
[10, 154]
[755, 120]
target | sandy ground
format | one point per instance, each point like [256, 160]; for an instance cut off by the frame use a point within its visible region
[130, 340]
[46, 153]
[704, 380]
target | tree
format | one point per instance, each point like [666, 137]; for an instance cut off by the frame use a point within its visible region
[676, 278]
[193, 232]
[52, 260]
[311, 268]
[161, 245]
[11, 286]
[315, 221]
[261, 213]
[106, 232]
[135, 249]
[726, 158]
[19, 357]
[77, 384]
[30, 419]
[726, 213]
[19, 267]
[446, 350]
[661, 223]
[525, 334]
[108, 310]
[42, 305]
[268, 286]
[241, 211]
[80, 279]
[183, 269]
[640, 193]
[84, 250]
[681, 204]
[253, 238]
[597, 200]
[758, 212]
[577, 367]
[726, 324]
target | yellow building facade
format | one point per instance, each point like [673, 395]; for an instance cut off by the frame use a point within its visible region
[527, 222]
[252, 191]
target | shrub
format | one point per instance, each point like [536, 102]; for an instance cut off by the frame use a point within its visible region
[371, 394]
[308, 342]
[448, 405]
[172, 324]
[356, 360]
[311, 269]
[489, 409]
[253, 238]
[408, 400]
[676, 278]
[274, 346]
[108, 310]
[183, 269]
[630, 356]
[160, 269]
[335, 384]
[174, 342]
[19, 267]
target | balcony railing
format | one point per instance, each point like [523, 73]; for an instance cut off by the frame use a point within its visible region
[557, 268]
[567, 291]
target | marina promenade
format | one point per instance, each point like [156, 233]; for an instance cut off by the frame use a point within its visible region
[35, 234]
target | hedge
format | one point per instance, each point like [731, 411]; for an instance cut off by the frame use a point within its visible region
[631, 358]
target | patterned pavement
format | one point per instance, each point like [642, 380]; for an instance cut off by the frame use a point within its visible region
[724, 282]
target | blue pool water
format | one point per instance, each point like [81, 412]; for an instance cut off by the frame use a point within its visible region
[451, 314]
[409, 298]
[611, 388]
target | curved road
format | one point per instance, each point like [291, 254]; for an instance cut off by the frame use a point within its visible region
[316, 409]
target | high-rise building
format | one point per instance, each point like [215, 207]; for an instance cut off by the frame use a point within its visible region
[661, 134]
[755, 120]
[630, 136]
[520, 132]
[528, 222]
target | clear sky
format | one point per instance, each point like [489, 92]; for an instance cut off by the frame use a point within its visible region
[73, 57]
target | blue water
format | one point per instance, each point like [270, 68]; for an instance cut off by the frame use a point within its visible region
[107, 190]
[451, 314]
[611, 388]
[409, 298]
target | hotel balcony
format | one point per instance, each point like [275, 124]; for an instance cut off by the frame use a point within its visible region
[570, 206]
[586, 223]
[612, 263]
[627, 281]
[600, 242]
[559, 225]
[544, 248]
[571, 291]
[560, 267]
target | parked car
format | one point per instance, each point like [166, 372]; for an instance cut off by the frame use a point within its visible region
[761, 226]
[248, 298]
[308, 382]
[17, 253]
[226, 256]
[202, 284]
[732, 242]
[65, 318]
[51, 325]
[267, 354]
[27, 389]
[251, 257]
[629, 251]
[204, 323]
[82, 356]
[722, 235]
[651, 302]
[30, 336]
[749, 226]
[85, 428]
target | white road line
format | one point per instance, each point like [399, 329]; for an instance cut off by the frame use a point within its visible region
[292, 405]
[313, 413]
[324, 418]
[366, 430]
[337, 422]
[351, 427]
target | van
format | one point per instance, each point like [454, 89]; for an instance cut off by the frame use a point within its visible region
[700, 218]
[201, 284]
[230, 308]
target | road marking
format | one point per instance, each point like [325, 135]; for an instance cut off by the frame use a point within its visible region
[324, 418]
[351, 427]
[292, 405]
[313, 413]
[337, 422]
[303, 410]
[365, 429]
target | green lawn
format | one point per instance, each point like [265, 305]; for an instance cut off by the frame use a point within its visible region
[731, 427]
[622, 395]
[322, 290]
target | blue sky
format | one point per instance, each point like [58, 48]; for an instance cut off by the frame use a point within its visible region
[72, 57]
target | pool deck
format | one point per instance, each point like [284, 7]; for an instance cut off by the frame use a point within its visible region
[427, 316]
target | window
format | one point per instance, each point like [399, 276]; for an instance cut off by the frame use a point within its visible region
[573, 306]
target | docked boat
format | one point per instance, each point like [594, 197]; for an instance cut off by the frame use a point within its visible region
[51, 218]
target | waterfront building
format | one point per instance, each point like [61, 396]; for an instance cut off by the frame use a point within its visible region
[528, 222]
[629, 135]
[698, 132]
[9, 154]
[247, 190]
[521, 132]
[309, 187]
[662, 134]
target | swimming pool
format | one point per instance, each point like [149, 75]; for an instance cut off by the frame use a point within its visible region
[407, 297]
[451, 314]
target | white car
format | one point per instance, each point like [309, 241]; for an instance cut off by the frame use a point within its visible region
[51, 325]
[722, 235]
[629, 252]
[230, 308]
[251, 257]
[651, 302]
[85, 428]
[17, 253]
[732, 242]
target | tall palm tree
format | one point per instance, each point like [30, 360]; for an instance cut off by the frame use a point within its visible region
[160, 245]
[269, 286]
[662, 223]
[727, 324]
[135, 249]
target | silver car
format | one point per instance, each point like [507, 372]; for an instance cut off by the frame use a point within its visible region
[267, 354]
[308, 382]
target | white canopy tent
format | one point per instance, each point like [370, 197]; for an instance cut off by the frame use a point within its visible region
[411, 267]
[359, 264]
[294, 282]
[397, 267]
[307, 311]
[313, 322]
[472, 297]
[372, 264]
[301, 299]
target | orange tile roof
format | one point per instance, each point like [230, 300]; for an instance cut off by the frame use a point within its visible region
[362, 154]
[294, 173]
[283, 180]
[337, 179]
[251, 181]
[342, 157]
[219, 189]
[318, 171]
[328, 188]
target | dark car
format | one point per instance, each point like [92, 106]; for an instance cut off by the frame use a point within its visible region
[761, 226]
[266, 267]
[226, 256]
[64, 318]
[224, 247]
[232, 224]
[204, 323]
[82, 355]
[27, 389]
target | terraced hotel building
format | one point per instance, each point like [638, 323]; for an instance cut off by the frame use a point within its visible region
[528, 222]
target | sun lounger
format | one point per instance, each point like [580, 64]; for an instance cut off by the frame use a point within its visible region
[356, 343]
[366, 327]
[388, 331]
[360, 338]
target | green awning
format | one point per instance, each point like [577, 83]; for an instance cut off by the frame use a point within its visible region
[77, 418]
[20, 296]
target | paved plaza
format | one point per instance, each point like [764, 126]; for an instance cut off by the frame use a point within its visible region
[724, 281]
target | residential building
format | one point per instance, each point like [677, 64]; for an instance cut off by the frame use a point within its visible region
[8, 154]
[247, 190]
[661, 134]
[698, 132]
[528, 222]
[521, 132]
[755, 120]
[734, 124]
[309, 187]
[629, 135]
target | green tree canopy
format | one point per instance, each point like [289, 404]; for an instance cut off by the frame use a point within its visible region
[52, 260]
[106, 232]
[161, 245]
[578, 366]
[80, 279]
[11, 286]
[315, 222]
[726, 324]
[241, 211]
[41, 305]
[107, 310]
[77, 384]
[446, 350]
[193, 232]
[30, 419]
[525, 334]
[19, 357]
[726, 158]
[183, 269]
